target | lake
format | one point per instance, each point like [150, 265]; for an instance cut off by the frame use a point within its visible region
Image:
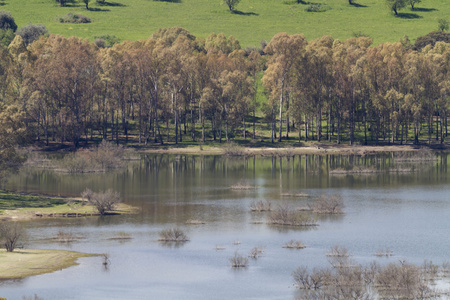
[392, 201]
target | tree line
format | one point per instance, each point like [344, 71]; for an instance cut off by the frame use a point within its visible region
[174, 86]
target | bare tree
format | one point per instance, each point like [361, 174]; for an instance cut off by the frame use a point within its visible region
[10, 233]
[103, 201]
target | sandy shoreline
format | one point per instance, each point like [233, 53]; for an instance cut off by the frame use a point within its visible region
[320, 149]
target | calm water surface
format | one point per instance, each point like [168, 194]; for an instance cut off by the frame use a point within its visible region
[402, 205]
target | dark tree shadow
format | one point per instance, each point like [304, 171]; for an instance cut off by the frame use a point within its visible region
[408, 16]
[97, 9]
[110, 4]
[424, 9]
[2, 3]
[238, 12]
[358, 5]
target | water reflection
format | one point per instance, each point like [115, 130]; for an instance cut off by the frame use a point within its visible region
[385, 207]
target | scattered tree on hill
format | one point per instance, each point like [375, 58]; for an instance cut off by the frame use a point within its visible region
[7, 21]
[413, 2]
[396, 5]
[62, 2]
[86, 2]
[31, 32]
[10, 233]
[232, 4]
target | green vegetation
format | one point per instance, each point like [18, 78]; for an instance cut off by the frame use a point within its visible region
[10, 201]
[27, 262]
[254, 21]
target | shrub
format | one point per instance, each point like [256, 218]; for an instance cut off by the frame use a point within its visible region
[6, 37]
[65, 237]
[74, 18]
[283, 215]
[238, 261]
[102, 201]
[106, 40]
[260, 206]
[107, 155]
[431, 39]
[256, 252]
[7, 21]
[172, 235]
[75, 163]
[233, 149]
[316, 7]
[10, 234]
[292, 244]
[338, 251]
[242, 185]
[31, 32]
[328, 205]
[442, 25]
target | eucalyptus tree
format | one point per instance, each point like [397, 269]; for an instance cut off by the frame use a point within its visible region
[70, 67]
[315, 77]
[396, 5]
[284, 50]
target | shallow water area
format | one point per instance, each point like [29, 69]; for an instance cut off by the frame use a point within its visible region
[399, 205]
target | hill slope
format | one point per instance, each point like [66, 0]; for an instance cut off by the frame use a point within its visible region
[255, 20]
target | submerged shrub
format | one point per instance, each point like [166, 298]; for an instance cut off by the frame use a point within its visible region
[256, 252]
[284, 215]
[260, 206]
[393, 281]
[65, 237]
[293, 244]
[238, 261]
[172, 235]
[328, 205]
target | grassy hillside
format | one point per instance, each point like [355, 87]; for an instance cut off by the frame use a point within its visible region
[255, 20]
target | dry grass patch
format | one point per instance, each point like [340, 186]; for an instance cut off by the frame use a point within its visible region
[28, 262]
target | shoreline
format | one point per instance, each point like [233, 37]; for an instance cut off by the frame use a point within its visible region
[320, 149]
[71, 208]
[23, 263]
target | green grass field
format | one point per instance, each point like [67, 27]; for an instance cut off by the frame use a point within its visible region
[256, 20]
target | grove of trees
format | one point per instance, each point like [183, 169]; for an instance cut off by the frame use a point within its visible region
[174, 86]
